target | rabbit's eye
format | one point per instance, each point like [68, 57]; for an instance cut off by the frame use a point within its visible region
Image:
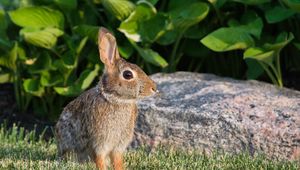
[127, 75]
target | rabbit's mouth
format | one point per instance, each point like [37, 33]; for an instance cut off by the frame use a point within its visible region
[152, 92]
[155, 91]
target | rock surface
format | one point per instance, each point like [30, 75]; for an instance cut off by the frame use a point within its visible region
[208, 113]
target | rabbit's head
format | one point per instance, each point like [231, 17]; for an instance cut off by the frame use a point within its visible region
[121, 79]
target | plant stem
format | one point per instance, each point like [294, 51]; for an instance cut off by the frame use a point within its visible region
[180, 54]
[271, 76]
[174, 51]
[17, 88]
[27, 98]
[219, 16]
[278, 78]
[163, 5]
[277, 63]
[274, 71]
[277, 70]
[198, 66]
[17, 93]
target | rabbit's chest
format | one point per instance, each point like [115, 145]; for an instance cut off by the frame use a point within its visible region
[118, 120]
[116, 124]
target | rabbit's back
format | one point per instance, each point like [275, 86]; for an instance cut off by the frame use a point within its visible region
[71, 129]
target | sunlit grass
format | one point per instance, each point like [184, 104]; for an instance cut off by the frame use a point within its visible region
[25, 150]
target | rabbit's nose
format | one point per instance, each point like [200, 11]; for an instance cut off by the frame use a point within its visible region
[154, 90]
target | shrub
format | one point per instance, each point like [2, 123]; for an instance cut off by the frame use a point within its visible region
[48, 47]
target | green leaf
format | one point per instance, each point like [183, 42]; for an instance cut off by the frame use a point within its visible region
[66, 4]
[252, 2]
[297, 45]
[5, 78]
[186, 16]
[69, 60]
[281, 41]
[260, 55]
[121, 9]
[97, 1]
[143, 11]
[284, 37]
[87, 30]
[4, 44]
[252, 24]
[125, 50]
[217, 3]
[40, 64]
[151, 56]
[3, 21]
[226, 39]
[45, 38]
[64, 70]
[81, 45]
[33, 87]
[233, 23]
[278, 14]
[136, 26]
[268, 54]
[87, 77]
[51, 78]
[293, 4]
[21, 53]
[9, 60]
[168, 37]
[3, 25]
[153, 2]
[254, 69]
[179, 4]
[68, 91]
[71, 43]
[37, 17]
[159, 24]
[84, 81]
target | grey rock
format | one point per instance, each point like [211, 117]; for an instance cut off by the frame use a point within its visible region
[208, 113]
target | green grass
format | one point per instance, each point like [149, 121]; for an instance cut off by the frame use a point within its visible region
[25, 150]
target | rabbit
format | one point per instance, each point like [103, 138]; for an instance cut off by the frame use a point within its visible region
[100, 122]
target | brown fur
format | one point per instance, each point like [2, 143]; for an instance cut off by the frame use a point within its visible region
[100, 122]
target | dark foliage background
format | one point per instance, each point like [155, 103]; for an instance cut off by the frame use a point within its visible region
[48, 48]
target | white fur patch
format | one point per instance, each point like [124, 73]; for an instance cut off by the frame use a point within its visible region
[111, 97]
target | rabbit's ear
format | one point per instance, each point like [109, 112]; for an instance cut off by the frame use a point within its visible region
[108, 49]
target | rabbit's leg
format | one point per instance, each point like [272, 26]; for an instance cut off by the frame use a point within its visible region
[99, 151]
[117, 160]
[100, 162]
